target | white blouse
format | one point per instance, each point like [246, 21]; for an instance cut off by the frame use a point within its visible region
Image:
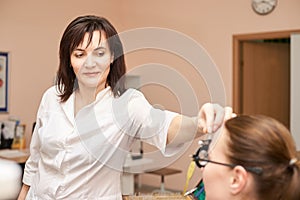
[82, 156]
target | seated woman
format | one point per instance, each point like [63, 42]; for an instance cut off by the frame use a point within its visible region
[254, 157]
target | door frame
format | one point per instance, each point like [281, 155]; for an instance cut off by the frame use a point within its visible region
[238, 40]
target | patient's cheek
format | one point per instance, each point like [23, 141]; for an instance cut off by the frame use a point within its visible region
[213, 181]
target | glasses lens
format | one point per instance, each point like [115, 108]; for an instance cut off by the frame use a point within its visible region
[203, 157]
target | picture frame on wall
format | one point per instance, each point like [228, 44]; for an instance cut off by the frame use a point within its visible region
[3, 81]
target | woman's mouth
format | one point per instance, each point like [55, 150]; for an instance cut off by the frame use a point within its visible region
[91, 74]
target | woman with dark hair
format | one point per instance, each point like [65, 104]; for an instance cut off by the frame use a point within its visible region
[73, 37]
[87, 122]
[254, 157]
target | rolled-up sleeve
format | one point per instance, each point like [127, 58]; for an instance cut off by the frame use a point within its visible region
[151, 124]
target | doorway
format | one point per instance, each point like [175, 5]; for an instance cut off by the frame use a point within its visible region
[261, 74]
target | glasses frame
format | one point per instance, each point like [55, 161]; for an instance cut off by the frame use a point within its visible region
[204, 148]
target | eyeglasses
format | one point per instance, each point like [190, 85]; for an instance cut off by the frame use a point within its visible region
[201, 159]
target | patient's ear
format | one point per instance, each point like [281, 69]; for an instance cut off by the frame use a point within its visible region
[238, 180]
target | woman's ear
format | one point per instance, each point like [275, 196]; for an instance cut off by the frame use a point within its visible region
[238, 180]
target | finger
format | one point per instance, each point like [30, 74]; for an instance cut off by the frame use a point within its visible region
[208, 115]
[228, 113]
[219, 117]
[202, 125]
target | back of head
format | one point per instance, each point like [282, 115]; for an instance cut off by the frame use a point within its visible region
[260, 141]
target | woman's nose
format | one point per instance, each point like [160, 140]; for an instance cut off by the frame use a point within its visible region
[90, 62]
[202, 169]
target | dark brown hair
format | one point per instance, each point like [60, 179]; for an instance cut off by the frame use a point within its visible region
[260, 141]
[71, 39]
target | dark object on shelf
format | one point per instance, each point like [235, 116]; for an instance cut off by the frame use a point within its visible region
[5, 143]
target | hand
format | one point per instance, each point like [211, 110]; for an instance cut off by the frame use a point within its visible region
[211, 117]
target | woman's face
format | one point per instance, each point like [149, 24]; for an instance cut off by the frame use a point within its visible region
[217, 177]
[91, 63]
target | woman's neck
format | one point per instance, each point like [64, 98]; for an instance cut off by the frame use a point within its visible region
[83, 97]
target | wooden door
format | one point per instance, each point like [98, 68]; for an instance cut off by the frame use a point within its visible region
[266, 80]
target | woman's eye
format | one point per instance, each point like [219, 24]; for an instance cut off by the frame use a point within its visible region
[78, 55]
[100, 53]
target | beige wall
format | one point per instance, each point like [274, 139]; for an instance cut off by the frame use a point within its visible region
[30, 31]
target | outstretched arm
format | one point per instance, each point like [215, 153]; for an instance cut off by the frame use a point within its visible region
[210, 118]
